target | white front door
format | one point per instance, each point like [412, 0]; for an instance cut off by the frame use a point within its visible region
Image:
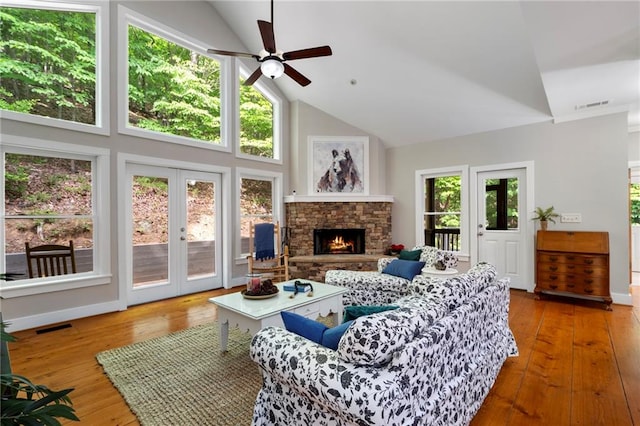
[502, 223]
[173, 227]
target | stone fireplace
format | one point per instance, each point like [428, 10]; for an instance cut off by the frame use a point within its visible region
[306, 214]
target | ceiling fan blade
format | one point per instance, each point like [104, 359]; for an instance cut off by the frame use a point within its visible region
[229, 53]
[268, 39]
[312, 52]
[299, 78]
[253, 77]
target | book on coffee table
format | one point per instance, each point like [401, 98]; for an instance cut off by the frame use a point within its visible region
[292, 287]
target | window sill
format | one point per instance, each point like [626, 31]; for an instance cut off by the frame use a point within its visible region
[29, 287]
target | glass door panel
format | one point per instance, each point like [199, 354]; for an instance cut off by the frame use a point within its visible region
[150, 231]
[201, 228]
[501, 209]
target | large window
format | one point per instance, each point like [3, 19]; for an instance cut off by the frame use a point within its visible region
[258, 122]
[174, 89]
[53, 198]
[260, 199]
[441, 210]
[51, 65]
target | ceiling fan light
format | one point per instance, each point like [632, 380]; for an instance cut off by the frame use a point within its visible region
[272, 68]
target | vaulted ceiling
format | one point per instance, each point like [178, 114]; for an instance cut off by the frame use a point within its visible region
[417, 71]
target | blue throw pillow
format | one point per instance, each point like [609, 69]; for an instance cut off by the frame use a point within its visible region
[353, 312]
[404, 268]
[303, 326]
[314, 330]
[331, 336]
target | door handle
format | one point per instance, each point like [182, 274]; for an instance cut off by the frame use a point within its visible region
[182, 238]
[480, 234]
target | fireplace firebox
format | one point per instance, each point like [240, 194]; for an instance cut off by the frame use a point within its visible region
[338, 241]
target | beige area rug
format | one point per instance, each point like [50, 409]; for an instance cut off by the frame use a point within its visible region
[184, 379]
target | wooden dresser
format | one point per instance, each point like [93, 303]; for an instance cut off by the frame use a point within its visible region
[573, 264]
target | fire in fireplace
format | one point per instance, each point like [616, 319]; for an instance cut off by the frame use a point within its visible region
[338, 241]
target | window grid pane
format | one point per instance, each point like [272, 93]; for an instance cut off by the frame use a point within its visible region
[172, 89]
[256, 122]
[443, 197]
[256, 206]
[48, 200]
[442, 214]
[49, 63]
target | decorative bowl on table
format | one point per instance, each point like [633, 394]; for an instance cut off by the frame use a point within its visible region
[267, 289]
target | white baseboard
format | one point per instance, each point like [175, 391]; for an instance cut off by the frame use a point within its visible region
[39, 320]
[622, 299]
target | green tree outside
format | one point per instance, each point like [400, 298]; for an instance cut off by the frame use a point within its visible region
[47, 63]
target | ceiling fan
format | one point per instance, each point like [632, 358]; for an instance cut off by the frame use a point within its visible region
[272, 61]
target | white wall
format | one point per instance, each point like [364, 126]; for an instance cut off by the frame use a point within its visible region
[199, 20]
[634, 146]
[580, 167]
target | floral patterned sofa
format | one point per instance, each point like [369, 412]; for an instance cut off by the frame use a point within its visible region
[376, 288]
[430, 362]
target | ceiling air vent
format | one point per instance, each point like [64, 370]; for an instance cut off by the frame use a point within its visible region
[592, 105]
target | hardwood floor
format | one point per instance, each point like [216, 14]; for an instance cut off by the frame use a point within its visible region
[578, 363]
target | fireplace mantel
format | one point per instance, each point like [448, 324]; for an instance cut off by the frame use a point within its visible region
[338, 198]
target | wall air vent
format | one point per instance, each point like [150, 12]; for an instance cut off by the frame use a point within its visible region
[592, 105]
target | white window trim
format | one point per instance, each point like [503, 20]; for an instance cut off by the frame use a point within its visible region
[278, 124]
[101, 273]
[421, 175]
[101, 9]
[277, 194]
[127, 16]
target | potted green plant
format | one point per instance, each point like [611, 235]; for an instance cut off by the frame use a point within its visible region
[545, 216]
[23, 402]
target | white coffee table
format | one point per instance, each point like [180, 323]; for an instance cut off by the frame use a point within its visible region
[252, 315]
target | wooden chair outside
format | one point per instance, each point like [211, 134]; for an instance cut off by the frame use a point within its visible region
[50, 260]
[277, 269]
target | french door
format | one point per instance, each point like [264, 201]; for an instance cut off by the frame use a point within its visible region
[173, 228]
[502, 223]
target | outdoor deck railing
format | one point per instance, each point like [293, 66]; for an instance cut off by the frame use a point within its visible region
[444, 238]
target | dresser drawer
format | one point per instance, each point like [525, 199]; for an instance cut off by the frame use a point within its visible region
[579, 284]
[557, 268]
[595, 261]
[554, 284]
[572, 259]
[552, 257]
[595, 289]
[574, 270]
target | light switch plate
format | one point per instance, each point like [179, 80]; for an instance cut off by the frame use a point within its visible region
[571, 218]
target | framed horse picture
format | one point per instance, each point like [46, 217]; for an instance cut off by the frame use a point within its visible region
[338, 165]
